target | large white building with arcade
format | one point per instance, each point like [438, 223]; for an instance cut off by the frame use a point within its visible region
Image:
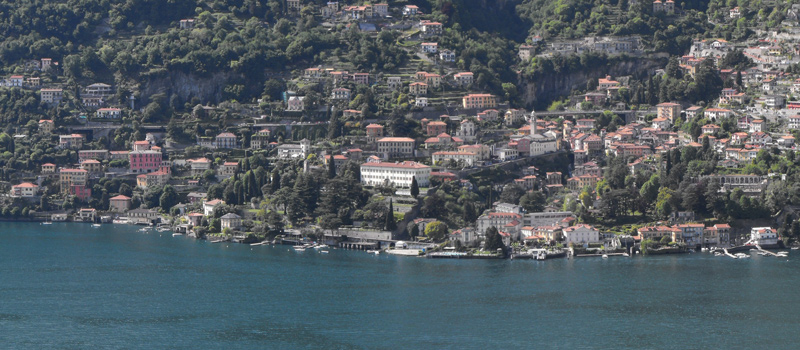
[398, 174]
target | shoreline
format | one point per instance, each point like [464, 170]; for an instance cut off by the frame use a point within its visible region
[565, 254]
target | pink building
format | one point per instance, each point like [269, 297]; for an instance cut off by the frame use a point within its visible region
[144, 161]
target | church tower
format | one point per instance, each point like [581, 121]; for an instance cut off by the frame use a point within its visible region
[533, 122]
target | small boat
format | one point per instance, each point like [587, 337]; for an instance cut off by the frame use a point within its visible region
[324, 252]
[793, 248]
[96, 225]
[605, 256]
[259, 243]
[50, 223]
[376, 252]
[625, 254]
[143, 229]
[177, 234]
[298, 248]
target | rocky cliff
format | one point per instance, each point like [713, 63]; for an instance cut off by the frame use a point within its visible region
[185, 87]
[538, 92]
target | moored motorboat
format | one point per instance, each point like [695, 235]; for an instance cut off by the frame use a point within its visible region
[605, 256]
[96, 225]
[47, 223]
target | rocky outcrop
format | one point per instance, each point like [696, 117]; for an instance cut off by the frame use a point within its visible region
[207, 88]
[545, 88]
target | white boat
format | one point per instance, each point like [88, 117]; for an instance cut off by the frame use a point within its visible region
[320, 246]
[795, 248]
[298, 248]
[177, 234]
[324, 251]
[259, 243]
[605, 256]
[96, 225]
[143, 229]
[50, 223]
[376, 252]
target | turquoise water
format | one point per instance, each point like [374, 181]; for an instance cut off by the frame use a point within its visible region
[69, 286]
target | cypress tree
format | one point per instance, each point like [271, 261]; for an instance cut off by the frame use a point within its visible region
[331, 166]
[276, 180]
[390, 224]
[253, 189]
[414, 187]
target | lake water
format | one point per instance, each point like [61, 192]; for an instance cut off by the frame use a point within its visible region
[70, 286]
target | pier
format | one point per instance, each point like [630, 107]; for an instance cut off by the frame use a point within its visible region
[765, 251]
[729, 254]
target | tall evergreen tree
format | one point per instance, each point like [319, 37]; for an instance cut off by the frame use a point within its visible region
[493, 239]
[254, 190]
[331, 165]
[276, 180]
[414, 187]
[390, 224]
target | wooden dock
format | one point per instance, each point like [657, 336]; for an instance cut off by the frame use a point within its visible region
[765, 251]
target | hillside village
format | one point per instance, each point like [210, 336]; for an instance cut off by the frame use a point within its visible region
[624, 159]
